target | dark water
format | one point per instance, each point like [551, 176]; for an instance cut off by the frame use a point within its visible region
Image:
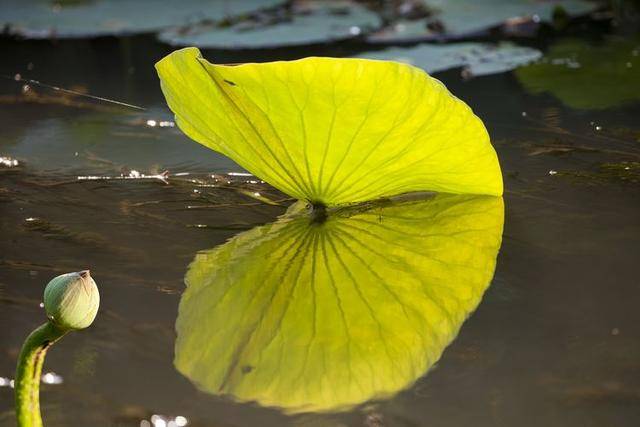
[554, 341]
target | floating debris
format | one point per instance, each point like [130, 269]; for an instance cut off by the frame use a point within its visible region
[60, 96]
[256, 195]
[133, 174]
[559, 149]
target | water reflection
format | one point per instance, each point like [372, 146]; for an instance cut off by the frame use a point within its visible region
[323, 315]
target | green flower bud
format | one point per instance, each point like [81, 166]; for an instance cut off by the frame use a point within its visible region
[71, 300]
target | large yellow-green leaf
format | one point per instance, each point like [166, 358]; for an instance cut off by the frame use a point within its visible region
[319, 316]
[331, 130]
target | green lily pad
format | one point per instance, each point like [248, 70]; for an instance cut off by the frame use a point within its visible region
[92, 18]
[586, 76]
[477, 58]
[306, 23]
[310, 315]
[454, 19]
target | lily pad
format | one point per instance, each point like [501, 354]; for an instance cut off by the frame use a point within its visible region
[477, 58]
[305, 23]
[92, 18]
[331, 130]
[454, 19]
[587, 76]
[321, 316]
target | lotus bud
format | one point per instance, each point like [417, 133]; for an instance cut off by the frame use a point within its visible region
[71, 300]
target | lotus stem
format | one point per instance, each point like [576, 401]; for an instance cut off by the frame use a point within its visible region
[71, 302]
[29, 371]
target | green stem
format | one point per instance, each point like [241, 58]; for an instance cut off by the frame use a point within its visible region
[29, 371]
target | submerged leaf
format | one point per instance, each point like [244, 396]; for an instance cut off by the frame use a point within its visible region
[587, 76]
[320, 316]
[330, 130]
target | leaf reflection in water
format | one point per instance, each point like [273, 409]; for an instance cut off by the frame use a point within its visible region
[323, 315]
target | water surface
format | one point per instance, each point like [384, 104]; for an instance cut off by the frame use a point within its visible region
[553, 341]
